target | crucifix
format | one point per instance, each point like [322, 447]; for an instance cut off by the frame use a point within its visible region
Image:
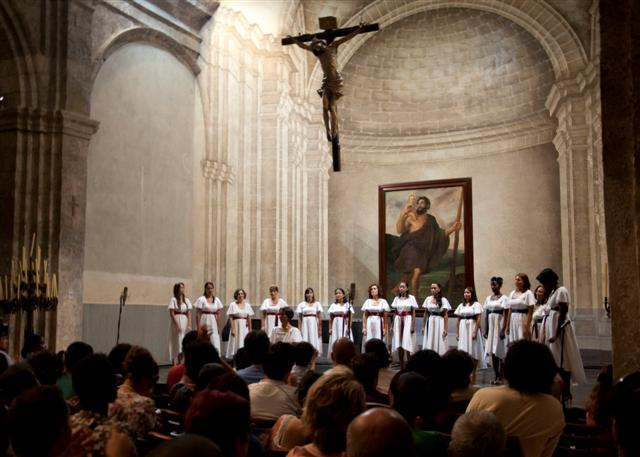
[324, 46]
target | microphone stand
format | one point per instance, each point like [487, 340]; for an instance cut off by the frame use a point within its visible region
[123, 301]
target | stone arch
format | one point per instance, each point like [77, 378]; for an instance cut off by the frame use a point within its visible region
[554, 33]
[147, 36]
[22, 50]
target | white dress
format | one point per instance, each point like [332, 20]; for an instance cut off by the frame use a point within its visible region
[240, 324]
[434, 314]
[568, 359]
[403, 337]
[339, 327]
[519, 307]
[279, 335]
[375, 318]
[209, 318]
[272, 311]
[495, 346]
[176, 334]
[539, 312]
[467, 315]
[308, 323]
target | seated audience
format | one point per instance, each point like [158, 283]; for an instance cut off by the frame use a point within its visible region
[478, 434]
[385, 374]
[256, 345]
[187, 445]
[32, 343]
[14, 380]
[196, 355]
[116, 357]
[285, 332]
[625, 404]
[46, 367]
[94, 381]
[5, 359]
[365, 370]
[458, 367]
[305, 360]
[240, 360]
[133, 406]
[333, 402]
[272, 397]
[74, 353]
[380, 432]
[223, 417]
[598, 405]
[524, 407]
[207, 373]
[342, 353]
[429, 364]
[176, 372]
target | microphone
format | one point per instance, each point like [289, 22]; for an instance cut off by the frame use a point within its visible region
[352, 292]
[124, 295]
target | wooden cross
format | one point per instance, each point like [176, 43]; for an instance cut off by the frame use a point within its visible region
[324, 46]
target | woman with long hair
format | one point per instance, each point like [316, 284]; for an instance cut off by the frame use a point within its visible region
[309, 314]
[496, 347]
[270, 309]
[207, 308]
[404, 323]
[436, 321]
[180, 314]
[520, 310]
[538, 314]
[340, 313]
[374, 320]
[239, 315]
[469, 313]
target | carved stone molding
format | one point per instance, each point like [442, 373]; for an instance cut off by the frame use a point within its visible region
[34, 120]
[217, 171]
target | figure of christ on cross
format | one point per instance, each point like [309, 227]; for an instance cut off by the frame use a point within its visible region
[323, 46]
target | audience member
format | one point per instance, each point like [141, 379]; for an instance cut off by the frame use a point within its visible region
[625, 405]
[176, 372]
[478, 434]
[240, 359]
[230, 382]
[223, 417]
[598, 405]
[342, 353]
[32, 343]
[94, 382]
[273, 397]
[305, 360]
[116, 358]
[385, 374]
[429, 364]
[256, 345]
[46, 367]
[187, 445]
[524, 407]
[5, 359]
[14, 380]
[365, 370]
[196, 355]
[74, 353]
[333, 402]
[458, 367]
[285, 332]
[133, 406]
[380, 432]
[207, 373]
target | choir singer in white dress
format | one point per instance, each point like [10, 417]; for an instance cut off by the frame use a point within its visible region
[270, 309]
[310, 320]
[404, 323]
[339, 318]
[207, 310]
[436, 321]
[239, 314]
[538, 314]
[374, 310]
[180, 314]
[520, 310]
[496, 345]
[469, 313]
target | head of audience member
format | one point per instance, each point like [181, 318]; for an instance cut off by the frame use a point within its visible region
[223, 417]
[256, 345]
[599, 403]
[458, 366]
[230, 382]
[286, 316]
[197, 355]
[240, 359]
[188, 338]
[116, 357]
[343, 352]
[333, 402]
[380, 432]
[14, 380]
[429, 364]
[529, 367]
[477, 434]
[309, 378]
[76, 351]
[141, 370]
[4, 336]
[187, 445]
[209, 372]
[365, 369]
[278, 362]
[418, 402]
[32, 343]
[94, 381]
[42, 411]
[379, 349]
[305, 354]
[46, 366]
[625, 405]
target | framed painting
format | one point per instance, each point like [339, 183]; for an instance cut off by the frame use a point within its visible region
[426, 237]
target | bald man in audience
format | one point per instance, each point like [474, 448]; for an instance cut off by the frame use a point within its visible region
[379, 432]
[342, 353]
[478, 434]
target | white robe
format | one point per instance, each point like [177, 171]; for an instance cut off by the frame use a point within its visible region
[375, 324]
[339, 327]
[210, 320]
[495, 346]
[272, 311]
[403, 336]
[518, 320]
[239, 323]
[308, 323]
[466, 342]
[433, 338]
[177, 333]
